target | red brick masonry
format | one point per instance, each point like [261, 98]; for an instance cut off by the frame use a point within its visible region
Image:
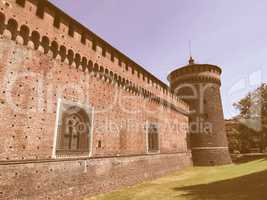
[46, 56]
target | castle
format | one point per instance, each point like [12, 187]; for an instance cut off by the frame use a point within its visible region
[78, 117]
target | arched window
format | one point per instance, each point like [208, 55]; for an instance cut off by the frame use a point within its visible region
[152, 138]
[74, 130]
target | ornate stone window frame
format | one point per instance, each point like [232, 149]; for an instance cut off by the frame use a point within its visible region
[147, 124]
[89, 110]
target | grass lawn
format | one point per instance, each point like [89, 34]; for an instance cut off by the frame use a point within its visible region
[246, 181]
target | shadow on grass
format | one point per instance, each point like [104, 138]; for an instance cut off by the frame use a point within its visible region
[249, 187]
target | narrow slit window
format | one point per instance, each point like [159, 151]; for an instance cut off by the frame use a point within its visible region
[153, 138]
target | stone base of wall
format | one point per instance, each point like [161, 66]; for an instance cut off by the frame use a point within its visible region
[75, 179]
[210, 157]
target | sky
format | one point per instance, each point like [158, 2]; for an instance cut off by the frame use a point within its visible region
[156, 34]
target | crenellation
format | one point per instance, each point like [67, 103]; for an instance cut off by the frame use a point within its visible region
[21, 2]
[77, 36]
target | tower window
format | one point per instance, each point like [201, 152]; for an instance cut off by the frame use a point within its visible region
[152, 138]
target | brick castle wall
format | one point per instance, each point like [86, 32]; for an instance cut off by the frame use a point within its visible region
[42, 62]
[76, 179]
[30, 110]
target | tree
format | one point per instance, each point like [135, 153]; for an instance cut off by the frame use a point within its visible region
[253, 118]
[234, 141]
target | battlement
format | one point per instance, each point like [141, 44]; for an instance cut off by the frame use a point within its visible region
[188, 69]
[195, 73]
[40, 25]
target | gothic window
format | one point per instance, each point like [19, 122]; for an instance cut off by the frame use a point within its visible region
[74, 130]
[152, 138]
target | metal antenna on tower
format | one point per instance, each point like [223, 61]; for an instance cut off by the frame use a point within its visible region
[191, 60]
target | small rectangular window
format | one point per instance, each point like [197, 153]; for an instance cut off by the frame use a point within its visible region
[152, 138]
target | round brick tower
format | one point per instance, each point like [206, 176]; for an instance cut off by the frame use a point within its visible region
[199, 85]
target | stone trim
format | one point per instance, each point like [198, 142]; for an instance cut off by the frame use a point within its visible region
[17, 162]
[207, 148]
[90, 111]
